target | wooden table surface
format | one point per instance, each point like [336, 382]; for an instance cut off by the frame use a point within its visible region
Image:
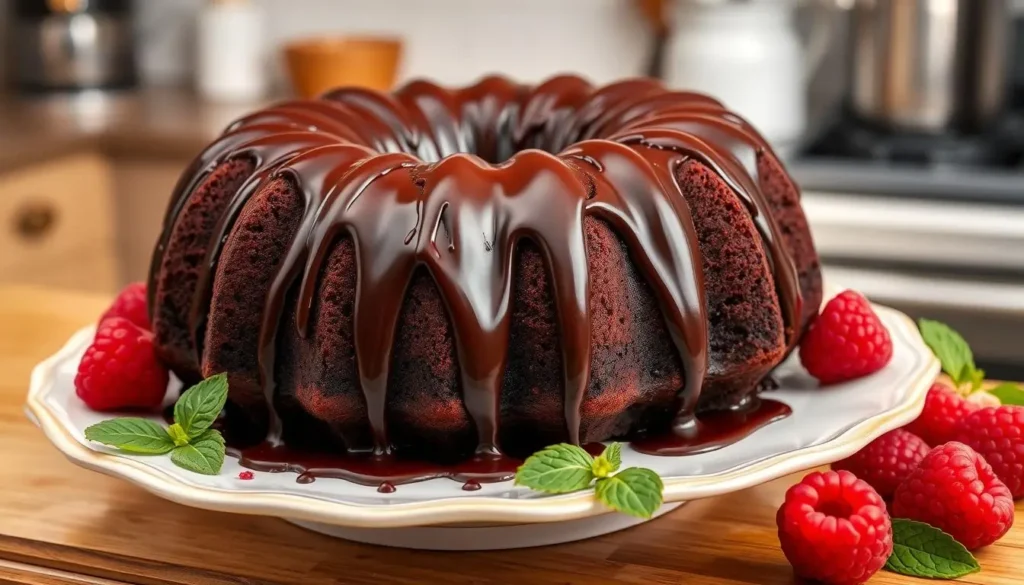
[63, 524]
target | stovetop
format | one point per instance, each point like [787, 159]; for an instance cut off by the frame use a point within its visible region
[933, 226]
[854, 158]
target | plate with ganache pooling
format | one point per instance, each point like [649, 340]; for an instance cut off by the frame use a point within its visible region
[806, 426]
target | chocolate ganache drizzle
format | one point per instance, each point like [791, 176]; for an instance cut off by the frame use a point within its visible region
[451, 181]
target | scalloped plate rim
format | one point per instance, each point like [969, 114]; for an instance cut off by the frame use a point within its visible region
[449, 511]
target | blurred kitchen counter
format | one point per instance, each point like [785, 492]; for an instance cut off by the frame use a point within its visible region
[169, 123]
[85, 180]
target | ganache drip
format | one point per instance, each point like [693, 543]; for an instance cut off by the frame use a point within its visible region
[490, 166]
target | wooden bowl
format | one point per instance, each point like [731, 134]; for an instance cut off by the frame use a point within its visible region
[318, 65]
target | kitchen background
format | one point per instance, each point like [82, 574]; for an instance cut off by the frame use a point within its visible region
[903, 120]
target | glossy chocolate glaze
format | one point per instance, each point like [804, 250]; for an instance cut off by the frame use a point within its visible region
[451, 181]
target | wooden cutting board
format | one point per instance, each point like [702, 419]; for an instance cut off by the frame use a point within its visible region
[63, 524]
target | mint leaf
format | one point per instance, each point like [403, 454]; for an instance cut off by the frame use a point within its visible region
[1008, 393]
[976, 378]
[607, 462]
[613, 453]
[567, 468]
[920, 550]
[131, 434]
[205, 454]
[557, 469]
[200, 405]
[635, 491]
[953, 352]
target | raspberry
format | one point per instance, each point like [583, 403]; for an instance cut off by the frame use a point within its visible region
[955, 490]
[943, 410]
[246, 475]
[847, 341]
[997, 434]
[834, 528]
[131, 304]
[120, 369]
[886, 461]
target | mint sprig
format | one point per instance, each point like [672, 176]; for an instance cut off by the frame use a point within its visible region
[953, 352]
[565, 468]
[957, 362]
[921, 550]
[193, 445]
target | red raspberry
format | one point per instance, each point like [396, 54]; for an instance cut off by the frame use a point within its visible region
[955, 490]
[120, 369]
[847, 341]
[834, 528]
[997, 434]
[245, 475]
[131, 304]
[943, 410]
[886, 461]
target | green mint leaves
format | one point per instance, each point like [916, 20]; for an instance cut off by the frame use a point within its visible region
[958, 363]
[557, 469]
[200, 405]
[635, 491]
[193, 445]
[205, 454]
[565, 468]
[953, 352]
[134, 435]
[921, 550]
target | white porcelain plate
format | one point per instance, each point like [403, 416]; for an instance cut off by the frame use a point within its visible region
[827, 424]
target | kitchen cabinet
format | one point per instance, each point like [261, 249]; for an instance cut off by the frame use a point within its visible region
[85, 181]
[142, 188]
[56, 224]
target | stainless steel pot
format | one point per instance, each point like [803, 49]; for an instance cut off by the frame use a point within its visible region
[929, 65]
[62, 45]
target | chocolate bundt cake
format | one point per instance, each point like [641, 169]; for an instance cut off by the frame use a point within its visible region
[436, 273]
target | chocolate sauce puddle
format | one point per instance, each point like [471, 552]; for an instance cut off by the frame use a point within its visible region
[715, 430]
[370, 469]
[712, 431]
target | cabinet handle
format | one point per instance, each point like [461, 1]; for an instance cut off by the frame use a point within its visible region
[35, 220]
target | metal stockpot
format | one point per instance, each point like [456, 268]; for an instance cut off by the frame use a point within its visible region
[929, 65]
[62, 45]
